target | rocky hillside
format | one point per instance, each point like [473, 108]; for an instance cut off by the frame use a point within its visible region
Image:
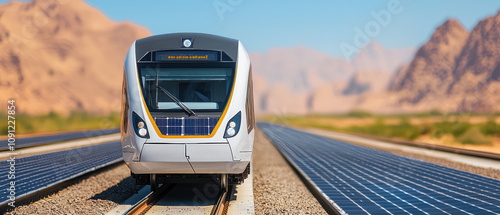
[430, 71]
[454, 71]
[476, 78]
[62, 56]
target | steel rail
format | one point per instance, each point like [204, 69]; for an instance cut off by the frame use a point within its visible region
[147, 202]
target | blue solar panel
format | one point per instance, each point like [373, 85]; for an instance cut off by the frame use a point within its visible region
[38, 171]
[362, 180]
[186, 126]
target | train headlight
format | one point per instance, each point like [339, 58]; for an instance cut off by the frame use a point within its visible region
[140, 127]
[233, 126]
[230, 132]
[187, 42]
[142, 132]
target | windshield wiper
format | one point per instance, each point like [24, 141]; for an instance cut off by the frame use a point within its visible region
[188, 111]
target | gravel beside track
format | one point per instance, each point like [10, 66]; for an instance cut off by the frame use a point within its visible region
[277, 189]
[96, 193]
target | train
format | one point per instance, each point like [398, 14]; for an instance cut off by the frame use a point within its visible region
[187, 110]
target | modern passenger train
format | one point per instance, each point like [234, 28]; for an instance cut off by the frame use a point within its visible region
[187, 109]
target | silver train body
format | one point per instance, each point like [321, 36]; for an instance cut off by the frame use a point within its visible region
[187, 108]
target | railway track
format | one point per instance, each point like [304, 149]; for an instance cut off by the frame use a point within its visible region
[147, 202]
[222, 204]
[144, 205]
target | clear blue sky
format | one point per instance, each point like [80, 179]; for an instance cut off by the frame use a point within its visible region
[322, 25]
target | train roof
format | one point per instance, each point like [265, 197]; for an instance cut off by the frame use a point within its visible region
[173, 41]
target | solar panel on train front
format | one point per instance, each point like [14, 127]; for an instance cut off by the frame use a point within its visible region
[186, 126]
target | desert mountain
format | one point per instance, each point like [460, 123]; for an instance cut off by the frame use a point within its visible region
[300, 68]
[301, 80]
[374, 66]
[454, 70]
[375, 57]
[476, 78]
[368, 81]
[430, 71]
[284, 77]
[62, 56]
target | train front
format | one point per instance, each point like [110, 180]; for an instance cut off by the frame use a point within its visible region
[187, 106]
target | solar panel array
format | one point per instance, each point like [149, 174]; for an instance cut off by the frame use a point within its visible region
[39, 171]
[180, 126]
[40, 140]
[360, 180]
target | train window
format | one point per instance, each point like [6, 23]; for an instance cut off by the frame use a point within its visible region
[249, 103]
[205, 89]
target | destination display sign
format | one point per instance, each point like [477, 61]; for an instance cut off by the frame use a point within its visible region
[187, 56]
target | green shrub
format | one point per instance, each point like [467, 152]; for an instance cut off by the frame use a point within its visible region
[426, 129]
[456, 128]
[437, 132]
[490, 128]
[475, 137]
[403, 130]
[358, 114]
[3, 124]
[430, 113]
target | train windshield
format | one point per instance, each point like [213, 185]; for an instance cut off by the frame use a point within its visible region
[198, 89]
